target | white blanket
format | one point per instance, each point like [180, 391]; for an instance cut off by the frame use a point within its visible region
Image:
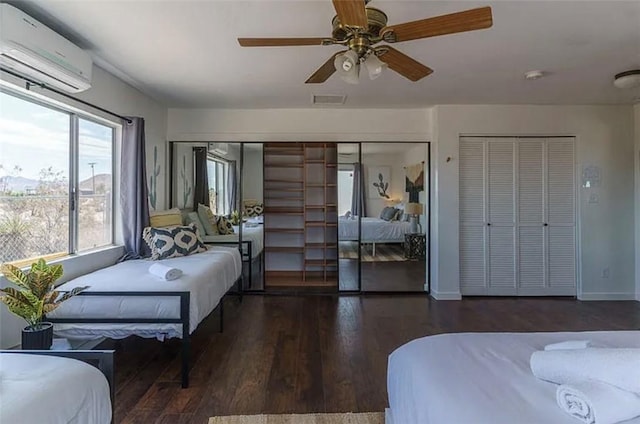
[594, 402]
[373, 230]
[207, 276]
[481, 378]
[37, 389]
[618, 367]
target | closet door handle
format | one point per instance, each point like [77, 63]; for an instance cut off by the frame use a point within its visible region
[545, 224]
[488, 224]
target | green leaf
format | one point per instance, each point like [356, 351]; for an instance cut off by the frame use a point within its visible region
[56, 272]
[19, 309]
[18, 295]
[15, 275]
[71, 293]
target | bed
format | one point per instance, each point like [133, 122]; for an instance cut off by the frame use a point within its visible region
[477, 378]
[374, 230]
[125, 299]
[31, 382]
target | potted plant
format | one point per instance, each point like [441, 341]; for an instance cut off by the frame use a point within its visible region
[35, 298]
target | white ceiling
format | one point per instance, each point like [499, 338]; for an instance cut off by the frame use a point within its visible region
[185, 53]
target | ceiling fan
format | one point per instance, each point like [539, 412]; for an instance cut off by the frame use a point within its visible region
[360, 28]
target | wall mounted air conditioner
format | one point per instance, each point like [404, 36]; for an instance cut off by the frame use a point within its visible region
[33, 50]
[219, 148]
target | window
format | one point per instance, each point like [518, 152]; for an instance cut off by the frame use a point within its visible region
[217, 172]
[56, 178]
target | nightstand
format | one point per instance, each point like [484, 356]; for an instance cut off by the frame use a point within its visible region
[415, 246]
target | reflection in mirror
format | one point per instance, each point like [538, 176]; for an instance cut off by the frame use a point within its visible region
[349, 205]
[253, 213]
[209, 174]
[393, 238]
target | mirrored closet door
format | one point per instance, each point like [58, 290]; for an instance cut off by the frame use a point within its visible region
[394, 217]
[350, 191]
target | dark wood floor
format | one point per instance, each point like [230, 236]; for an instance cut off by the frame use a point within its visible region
[318, 353]
[401, 276]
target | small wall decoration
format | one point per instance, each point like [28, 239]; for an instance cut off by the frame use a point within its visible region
[379, 181]
[186, 186]
[414, 181]
[153, 180]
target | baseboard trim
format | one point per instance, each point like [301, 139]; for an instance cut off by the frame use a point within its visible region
[607, 296]
[446, 295]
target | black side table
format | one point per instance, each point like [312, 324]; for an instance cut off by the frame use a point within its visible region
[415, 246]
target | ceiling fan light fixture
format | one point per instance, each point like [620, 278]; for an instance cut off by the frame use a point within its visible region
[375, 66]
[346, 62]
[352, 77]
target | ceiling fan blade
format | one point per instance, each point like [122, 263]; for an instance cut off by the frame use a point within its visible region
[280, 42]
[351, 13]
[324, 72]
[403, 64]
[469, 20]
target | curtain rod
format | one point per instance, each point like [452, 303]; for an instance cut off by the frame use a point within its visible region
[31, 82]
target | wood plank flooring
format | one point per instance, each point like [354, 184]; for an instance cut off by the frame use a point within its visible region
[318, 353]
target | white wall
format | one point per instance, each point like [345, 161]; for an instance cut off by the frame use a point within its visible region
[396, 187]
[604, 137]
[299, 125]
[252, 181]
[636, 155]
[110, 93]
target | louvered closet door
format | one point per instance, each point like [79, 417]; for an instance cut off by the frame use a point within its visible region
[531, 217]
[560, 218]
[501, 216]
[472, 217]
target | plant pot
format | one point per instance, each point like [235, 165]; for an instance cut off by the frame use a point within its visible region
[37, 337]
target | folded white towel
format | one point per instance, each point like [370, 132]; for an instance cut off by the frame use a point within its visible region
[618, 367]
[594, 402]
[165, 272]
[569, 344]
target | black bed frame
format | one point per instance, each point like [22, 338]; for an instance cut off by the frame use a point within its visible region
[101, 359]
[183, 319]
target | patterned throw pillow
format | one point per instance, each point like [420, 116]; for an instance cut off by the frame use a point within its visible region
[224, 226]
[254, 210]
[208, 220]
[388, 213]
[173, 242]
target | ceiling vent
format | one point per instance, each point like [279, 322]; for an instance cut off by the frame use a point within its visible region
[328, 99]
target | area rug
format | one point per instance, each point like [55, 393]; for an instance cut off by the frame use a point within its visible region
[346, 418]
[384, 252]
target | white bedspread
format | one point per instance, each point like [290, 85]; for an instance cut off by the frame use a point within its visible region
[373, 230]
[37, 389]
[253, 234]
[478, 378]
[207, 276]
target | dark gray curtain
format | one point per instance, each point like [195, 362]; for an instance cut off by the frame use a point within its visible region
[358, 205]
[232, 187]
[133, 189]
[201, 179]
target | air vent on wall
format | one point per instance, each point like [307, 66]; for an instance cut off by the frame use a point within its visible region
[328, 99]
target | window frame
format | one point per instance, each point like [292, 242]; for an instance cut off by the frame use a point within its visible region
[74, 116]
[219, 161]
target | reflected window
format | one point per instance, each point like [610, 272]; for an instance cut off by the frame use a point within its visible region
[218, 171]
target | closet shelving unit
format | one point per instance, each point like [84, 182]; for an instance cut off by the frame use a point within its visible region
[300, 193]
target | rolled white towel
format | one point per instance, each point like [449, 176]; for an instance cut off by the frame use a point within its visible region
[165, 272]
[619, 367]
[595, 402]
[569, 344]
